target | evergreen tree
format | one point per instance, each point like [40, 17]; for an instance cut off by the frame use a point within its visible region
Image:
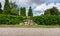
[0, 8]
[30, 12]
[23, 11]
[13, 4]
[0, 5]
[7, 7]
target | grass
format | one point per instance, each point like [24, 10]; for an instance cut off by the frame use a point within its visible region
[29, 26]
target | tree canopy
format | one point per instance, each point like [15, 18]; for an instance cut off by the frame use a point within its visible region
[0, 8]
[30, 12]
[0, 5]
[13, 4]
[23, 11]
[52, 11]
[7, 8]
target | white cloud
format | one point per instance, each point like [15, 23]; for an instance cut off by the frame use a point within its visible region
[43, 7]
[40, 7]
[22, 2]
[58, 6]
[2, 2]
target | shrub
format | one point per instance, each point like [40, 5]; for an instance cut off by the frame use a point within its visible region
[47, 20]
[14, 11]
[10, 20]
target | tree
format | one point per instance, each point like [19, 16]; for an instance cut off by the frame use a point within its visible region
[14, 11]
[13, 4]
[23, 11]
[7, 8]
[0, 5]
[47, 12]
[30, 12]
[52, 11]
[0, 8]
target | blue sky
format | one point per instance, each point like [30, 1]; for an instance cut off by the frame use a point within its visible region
[38, 6]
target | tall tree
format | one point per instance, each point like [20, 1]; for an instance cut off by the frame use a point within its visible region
[0, 8]
[30, 12]
[23, 11]
[13, 4]
[14, 10]
[0, 5]
[7, 8]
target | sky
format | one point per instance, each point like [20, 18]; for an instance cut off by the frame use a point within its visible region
[38, 6]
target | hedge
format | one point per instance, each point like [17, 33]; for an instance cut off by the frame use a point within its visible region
[10, 19]
[47, 20]
[40, 20]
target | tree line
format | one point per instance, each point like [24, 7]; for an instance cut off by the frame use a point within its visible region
[11, 8]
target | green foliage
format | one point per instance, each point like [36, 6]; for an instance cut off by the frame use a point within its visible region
[0, 8]
[23, 11]
[47, 12]
[14, 11]
[1, 11]
[13, 4]
[7, 8]
[52, 11]
[47, 20]
[30, 12]
[0, 5]
[10, 19]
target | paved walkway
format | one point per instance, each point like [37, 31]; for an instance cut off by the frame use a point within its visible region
[29, 31]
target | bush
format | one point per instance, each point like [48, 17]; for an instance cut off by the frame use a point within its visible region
[10, 20]
[47, 20]
[14, 11]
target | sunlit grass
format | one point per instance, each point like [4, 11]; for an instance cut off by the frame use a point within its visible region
[29, 26]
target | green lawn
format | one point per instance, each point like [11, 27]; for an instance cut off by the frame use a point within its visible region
[29, 26]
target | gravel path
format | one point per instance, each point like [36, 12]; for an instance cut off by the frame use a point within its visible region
[29, 31]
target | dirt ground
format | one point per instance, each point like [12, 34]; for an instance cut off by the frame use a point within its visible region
[29, 31]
